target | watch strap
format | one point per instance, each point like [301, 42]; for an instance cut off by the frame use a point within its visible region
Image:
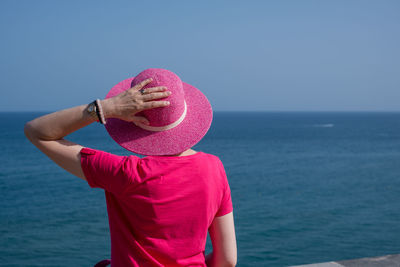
[92, 110]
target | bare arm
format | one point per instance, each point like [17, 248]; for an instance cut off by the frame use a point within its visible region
[47, 132]
[223, 238]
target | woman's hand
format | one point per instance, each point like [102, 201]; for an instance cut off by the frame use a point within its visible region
[47, 132]
[125, 105]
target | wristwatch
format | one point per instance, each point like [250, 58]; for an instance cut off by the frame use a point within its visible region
[91, 109]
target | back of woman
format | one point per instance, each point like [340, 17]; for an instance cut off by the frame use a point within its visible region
[159, 206]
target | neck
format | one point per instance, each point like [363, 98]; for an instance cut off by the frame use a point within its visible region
[184, 153]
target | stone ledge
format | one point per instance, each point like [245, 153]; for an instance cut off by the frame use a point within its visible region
[382, 261]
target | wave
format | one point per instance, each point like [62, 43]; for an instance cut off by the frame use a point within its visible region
[327, 125]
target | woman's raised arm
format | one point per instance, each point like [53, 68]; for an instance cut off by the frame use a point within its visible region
[47, 132]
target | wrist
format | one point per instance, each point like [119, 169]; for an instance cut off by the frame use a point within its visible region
[108, 108]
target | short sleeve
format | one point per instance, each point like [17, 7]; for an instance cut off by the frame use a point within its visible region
[110, 172]
[226, 202]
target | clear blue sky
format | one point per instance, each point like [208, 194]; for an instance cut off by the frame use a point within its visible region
[244, 55]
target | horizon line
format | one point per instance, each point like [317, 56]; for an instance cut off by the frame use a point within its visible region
[249, 111]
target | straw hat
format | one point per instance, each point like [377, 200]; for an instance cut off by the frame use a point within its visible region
[174, 128]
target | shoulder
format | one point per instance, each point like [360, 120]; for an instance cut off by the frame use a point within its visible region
[91, 152]
[211, 156]
[102, 158]
[215, 160]
[214, 157]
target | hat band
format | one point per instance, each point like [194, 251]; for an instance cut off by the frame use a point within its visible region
[163, 128]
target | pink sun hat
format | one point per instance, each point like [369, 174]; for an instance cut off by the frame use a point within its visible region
[174, 128]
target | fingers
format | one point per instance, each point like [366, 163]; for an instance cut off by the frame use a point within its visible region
[155, 104]
[149, 105]
[140, 119]
[157, 95]
[149, 94]
[154, 89]
[142, 84]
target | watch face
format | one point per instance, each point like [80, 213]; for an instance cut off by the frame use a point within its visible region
[91, 108]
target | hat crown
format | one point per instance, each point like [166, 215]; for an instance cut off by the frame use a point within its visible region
[163, 116]
[169, 139]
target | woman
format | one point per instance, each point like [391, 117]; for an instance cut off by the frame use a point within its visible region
[159, 206]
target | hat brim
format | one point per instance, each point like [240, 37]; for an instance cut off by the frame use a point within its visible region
[170, 142]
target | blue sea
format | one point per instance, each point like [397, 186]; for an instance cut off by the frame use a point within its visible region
[306, 188]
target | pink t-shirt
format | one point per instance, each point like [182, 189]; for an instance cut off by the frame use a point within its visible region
[159, 208]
